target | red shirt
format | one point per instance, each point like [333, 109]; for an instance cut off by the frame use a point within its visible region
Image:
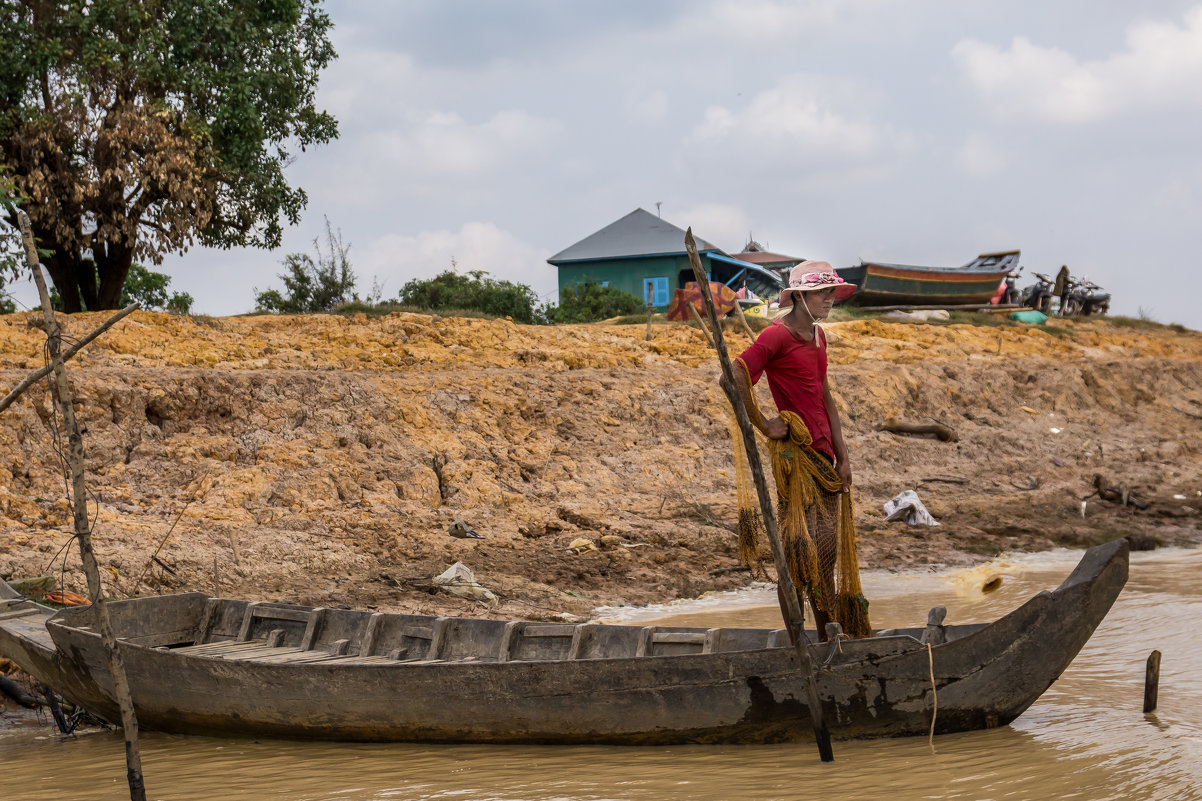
[796, 375]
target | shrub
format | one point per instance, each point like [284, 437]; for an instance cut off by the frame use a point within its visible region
[312, 285]
[451, 290]
[589, 301]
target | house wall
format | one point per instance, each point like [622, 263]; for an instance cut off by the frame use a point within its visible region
[629, 275]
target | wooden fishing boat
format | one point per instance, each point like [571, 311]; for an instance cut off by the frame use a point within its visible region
[882, 284]
[198, 664]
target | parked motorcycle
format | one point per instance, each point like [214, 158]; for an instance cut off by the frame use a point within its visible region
[1083, 297]
[1007, 291]
[1039, 295]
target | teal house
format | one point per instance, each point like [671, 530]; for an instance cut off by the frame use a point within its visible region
[643, 254]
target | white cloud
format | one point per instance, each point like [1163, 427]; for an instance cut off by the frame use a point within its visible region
[394, 259]
[443, 143]
[788, 123]
[1160, 67]
[763, 21]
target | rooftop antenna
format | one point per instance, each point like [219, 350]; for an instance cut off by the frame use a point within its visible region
[658, 203]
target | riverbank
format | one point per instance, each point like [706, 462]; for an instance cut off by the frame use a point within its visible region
[321, 459]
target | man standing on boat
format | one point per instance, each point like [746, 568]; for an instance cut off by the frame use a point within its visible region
[809, 455]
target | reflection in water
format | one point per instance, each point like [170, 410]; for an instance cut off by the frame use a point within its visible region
[1085, 739]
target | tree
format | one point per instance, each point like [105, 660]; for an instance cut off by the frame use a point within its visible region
[150, 289]
[138, 128]
[450, 290]
[313, 285]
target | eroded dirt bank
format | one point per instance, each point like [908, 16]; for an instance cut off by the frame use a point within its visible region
[320, 459]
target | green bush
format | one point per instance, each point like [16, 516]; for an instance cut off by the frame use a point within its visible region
[150, 289]
[450, 290]
[589, 301]
[313, 285]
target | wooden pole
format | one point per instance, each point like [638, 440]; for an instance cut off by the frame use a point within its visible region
[1152, 682]
[784, 580]
[743, 320]
[650, 310]
[79, 492]
[701, 324]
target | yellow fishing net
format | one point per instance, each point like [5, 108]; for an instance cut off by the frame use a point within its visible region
[817, 522]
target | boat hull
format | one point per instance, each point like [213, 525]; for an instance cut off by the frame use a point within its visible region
[883, 284]
[875, 687]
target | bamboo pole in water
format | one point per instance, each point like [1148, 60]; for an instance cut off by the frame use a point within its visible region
[794, 618]
[1152, 682]
[79, 492]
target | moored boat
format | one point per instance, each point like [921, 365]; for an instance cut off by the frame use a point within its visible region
[884, 284]
[206, 665]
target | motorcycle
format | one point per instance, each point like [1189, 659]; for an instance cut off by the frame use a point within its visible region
[1008, 293]
[1039, 295]
[1082, 298]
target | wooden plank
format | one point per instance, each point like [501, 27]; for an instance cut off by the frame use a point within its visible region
[513, 630]
[550, 630]
[313, 622]
[371, 634]
[248, 619]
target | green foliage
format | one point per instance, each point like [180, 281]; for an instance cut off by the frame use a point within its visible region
[312, 285]
[588, 302]
[451, 290]
[150, 289]
[138, 128]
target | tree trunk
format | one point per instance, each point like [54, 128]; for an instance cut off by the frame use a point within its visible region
[112, 268]
[84, 284]
[62, 271]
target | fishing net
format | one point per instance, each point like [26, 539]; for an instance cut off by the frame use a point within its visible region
[817, 521]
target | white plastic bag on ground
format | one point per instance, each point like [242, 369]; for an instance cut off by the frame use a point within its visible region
[906, 506]
[459, 580]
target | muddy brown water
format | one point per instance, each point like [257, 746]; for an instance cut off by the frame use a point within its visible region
[1086, 739]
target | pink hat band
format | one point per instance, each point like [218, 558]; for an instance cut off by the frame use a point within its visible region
[811, 276]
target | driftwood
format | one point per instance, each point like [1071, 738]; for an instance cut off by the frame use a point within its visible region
[942, 432]
[14, 691]
[83, 527]
[794, 616]
[1119, 495]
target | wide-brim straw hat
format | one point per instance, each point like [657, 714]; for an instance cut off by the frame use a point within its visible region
[810, 276]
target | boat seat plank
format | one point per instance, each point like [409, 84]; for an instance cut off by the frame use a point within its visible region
[292, 655]
[221, 647]
[12, 615]
[708, 641]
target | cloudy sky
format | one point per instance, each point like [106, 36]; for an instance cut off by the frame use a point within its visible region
[924, 132]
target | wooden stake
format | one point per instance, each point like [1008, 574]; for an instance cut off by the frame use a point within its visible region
[743, 320]
[784, 580]
[701, 324]
[1152, 682]
[650, 309]
[79, 492]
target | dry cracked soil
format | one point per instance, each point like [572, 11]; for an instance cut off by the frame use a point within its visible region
[320, 459]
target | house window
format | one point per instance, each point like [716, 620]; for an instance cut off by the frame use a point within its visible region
[659, 290]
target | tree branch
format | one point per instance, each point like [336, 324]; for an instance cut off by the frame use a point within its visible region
[74, 349]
